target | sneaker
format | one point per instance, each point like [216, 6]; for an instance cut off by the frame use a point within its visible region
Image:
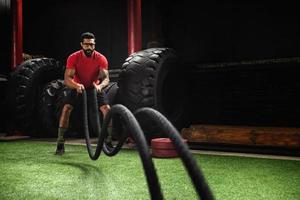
[60, 149]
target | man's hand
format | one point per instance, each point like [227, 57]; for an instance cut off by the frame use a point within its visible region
[98, 87]
[79, 88]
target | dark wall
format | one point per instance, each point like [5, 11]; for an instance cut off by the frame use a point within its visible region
[53, 28]
[211, 32]
[5, 36]
[208, 32]
[258, 94]
[214, 40]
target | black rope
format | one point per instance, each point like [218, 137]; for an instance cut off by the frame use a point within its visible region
[114, 142]
[134, 128]
[110, 149]
[167, 128]
[93, 115]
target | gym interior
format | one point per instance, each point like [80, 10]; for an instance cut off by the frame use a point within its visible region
[204, 99]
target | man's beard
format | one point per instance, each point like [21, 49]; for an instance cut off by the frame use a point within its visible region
[88, 52]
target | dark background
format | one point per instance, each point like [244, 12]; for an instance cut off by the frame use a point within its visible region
[53, 28]
[201, 33]
[5, 36]
[213, 32]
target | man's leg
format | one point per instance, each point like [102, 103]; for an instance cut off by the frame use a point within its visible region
[63, 126]
[105, 109]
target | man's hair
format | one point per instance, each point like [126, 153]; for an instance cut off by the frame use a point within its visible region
[87, 35]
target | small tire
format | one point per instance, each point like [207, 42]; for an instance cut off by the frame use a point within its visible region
[48, 117]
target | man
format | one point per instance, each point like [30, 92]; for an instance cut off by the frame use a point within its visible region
[85, 69]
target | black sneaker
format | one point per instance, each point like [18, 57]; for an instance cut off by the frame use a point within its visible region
[60, 149]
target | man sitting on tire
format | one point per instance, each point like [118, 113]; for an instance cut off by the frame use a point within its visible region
[86, 68]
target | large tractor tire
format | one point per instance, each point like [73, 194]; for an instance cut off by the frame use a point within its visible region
[153, 78]
[24, 88]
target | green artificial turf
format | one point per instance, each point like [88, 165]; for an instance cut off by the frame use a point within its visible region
[30, 170]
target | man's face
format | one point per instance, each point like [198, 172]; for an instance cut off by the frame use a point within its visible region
[88, 46]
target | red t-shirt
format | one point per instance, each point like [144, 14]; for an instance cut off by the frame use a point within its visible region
[86, 68]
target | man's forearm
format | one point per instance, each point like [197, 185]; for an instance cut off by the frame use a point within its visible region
[70, 83]
[104, 83]
[104, 77]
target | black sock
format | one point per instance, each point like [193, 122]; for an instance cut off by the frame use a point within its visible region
[61, 132]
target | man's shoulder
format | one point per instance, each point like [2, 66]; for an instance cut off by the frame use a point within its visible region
[75, 54]
[73, 58]
[98, 54]
[101, 59]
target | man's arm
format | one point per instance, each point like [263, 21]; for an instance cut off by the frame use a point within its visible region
[104, 76]
[69, 82]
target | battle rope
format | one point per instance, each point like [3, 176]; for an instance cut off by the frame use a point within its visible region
[167, 128]
[109, 148]
[133, 127]
[93, 112]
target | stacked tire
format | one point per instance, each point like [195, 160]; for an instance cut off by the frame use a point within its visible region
[24, 88]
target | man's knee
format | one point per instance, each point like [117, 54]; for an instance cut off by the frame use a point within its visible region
[105, 108]
[67, 109]
[65, 115]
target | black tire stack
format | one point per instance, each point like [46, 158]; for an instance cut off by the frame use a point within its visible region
[24, 88]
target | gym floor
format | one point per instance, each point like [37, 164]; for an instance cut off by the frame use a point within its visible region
[81, 141]
[30, 170]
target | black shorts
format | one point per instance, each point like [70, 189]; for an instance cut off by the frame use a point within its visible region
[74, 98]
